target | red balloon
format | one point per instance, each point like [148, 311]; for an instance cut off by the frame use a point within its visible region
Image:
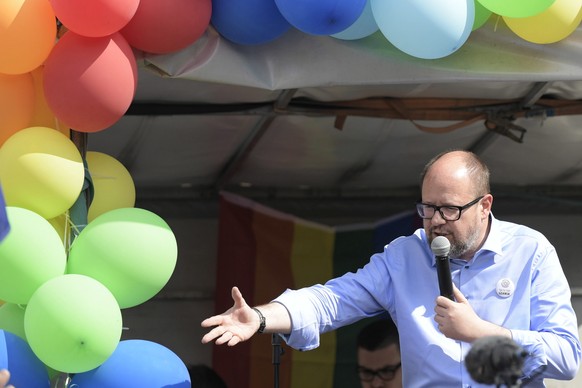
[94, 18]
[163, 26]
[89, 83]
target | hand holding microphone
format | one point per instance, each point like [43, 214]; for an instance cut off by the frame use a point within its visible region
[441, 246]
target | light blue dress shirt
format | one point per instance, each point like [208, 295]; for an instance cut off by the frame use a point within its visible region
[403, 281]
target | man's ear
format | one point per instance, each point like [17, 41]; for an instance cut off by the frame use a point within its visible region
[486, 204]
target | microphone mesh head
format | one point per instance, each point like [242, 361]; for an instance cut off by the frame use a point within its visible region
[440, 246]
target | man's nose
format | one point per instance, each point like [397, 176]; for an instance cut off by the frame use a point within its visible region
[377, 382]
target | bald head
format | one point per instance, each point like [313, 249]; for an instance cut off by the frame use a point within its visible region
[457, 169]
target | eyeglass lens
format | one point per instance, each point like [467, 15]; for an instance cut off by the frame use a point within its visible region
[386, 373]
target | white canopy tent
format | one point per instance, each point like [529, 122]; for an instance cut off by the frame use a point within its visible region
[222, 115]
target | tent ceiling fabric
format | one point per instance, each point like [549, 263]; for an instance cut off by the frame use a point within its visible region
[314, 114]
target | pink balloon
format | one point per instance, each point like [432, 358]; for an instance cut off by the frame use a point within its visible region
[89, 83]
[162, 26]
[94, 18]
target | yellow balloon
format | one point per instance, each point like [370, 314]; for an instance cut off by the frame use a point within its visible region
[114, 187]
[41, 170]
[552, 25]
[62, 226]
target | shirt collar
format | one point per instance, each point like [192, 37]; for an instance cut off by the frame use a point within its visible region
[492, 242]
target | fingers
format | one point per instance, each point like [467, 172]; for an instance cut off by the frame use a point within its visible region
[224, 338]
[239, 301]
[221, 336]
[234, 340]
[459, 297]
[442, 301]
[213, 334]
[212, 321]
[4, 377]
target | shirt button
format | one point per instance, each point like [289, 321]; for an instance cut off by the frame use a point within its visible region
[467, 267]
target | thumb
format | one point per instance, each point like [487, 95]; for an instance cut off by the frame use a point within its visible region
[237, 297]
[458, 295]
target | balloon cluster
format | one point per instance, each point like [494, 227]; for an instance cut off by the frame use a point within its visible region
[71, 66]
[81, 72]
[427, 29]
[63, 301]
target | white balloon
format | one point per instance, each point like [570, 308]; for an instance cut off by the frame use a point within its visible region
[427, 29]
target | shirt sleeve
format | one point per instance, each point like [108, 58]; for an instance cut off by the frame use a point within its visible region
[552, 342]
[339, 302]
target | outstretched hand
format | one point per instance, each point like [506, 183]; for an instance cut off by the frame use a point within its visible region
[237, 324]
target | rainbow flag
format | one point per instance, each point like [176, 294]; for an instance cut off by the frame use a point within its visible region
[263, 252]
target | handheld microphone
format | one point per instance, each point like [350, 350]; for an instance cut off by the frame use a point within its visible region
[441, 246]
[495, 360]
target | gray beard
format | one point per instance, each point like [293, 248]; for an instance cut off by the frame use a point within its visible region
[459, 248]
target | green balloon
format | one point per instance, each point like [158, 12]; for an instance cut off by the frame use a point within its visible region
[132, 251]
[12, 319]
[482, 14]
[73, 323]
[517, 8]
[31, 254]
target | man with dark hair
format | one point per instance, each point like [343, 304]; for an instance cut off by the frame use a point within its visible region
[378, 353]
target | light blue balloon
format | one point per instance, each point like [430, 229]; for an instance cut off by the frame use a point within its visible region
[136, 364]
[26, 370]
[427, 29]
[364, 26]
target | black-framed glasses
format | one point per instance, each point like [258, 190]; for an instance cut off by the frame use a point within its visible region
[387, 373]
[447, 212]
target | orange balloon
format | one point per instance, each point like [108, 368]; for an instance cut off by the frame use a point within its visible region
[28, 31]
[42, 115]
[16, 103]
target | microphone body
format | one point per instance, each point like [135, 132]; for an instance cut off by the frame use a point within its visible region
[441, 246]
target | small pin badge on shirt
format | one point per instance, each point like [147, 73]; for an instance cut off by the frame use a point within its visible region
[505, 287]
